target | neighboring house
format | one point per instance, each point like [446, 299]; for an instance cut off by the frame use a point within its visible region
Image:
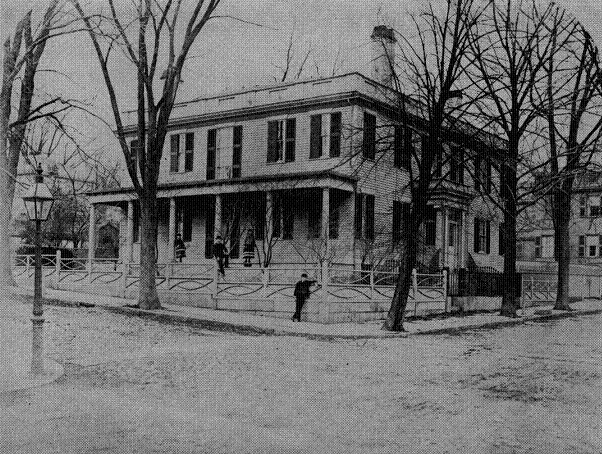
[323, 163]
[536, 242]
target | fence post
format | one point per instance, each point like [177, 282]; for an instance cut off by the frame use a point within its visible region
[265, 280]
[445, 282]
[124, 278]
[57, 269]
[414, 283]
[214, 285]
[324, 309]
[371, 282]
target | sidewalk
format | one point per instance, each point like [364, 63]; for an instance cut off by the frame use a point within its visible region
[254, 324]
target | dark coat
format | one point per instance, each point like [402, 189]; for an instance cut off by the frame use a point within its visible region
[302, 289]
[219, 250]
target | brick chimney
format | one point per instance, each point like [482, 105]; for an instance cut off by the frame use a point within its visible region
[383, 54]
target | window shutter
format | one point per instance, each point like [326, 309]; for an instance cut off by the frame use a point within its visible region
[289, 153]
[369, 217]
[315, 146]
[236, 151]
[335, 134]
[272, 141]
[460, 161]
[369, 142]
[358, 215]
[488, 237]
[398, 147]
[188, 151]
[476, 235]
[211, 143]
[408, 147]
[488, 175]
[175, 153]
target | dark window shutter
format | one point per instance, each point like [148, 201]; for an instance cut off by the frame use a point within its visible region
[315, 150]
[488, 237]
[335, 134]
[289, 151]
[237, 151]
[460, 161]
[358, 215]
[488, 175]
[370, 217]
[477, 172]
[211, 138]
[476, 235]
[398, 147]
[369, 143]
[272, 141]
[408, 147]
[175, 153]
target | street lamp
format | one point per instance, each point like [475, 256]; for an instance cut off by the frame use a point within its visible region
[38, 201]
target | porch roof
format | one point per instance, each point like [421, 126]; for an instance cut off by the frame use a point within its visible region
[282, 181]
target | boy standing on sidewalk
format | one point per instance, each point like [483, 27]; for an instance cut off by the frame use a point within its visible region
[301, 294]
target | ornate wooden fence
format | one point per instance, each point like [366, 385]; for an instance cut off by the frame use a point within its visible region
[338, 287]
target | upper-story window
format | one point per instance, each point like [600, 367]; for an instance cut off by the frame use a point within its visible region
[590, 246]
[594, 205]
[544, 246]
[224, 152]
[175, 154]
[456, 165]
[281, 140]
[402, 147]
[369, 142]
[188, 151]
[325, 134]
[582, 206]
[482, 167]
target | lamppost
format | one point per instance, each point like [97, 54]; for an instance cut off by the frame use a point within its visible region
[38, 201]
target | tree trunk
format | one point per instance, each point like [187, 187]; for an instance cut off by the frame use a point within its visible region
[394, 321]
[7, 191]
[508, 193]
[563, 251]
[148, 297]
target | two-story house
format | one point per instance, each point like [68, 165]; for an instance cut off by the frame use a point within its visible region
[319, 169]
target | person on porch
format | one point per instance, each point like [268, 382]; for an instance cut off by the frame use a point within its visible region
[180, 247]
[301, 294]
[219, 252]
[248, 251]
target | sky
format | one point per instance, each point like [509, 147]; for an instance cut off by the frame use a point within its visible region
[231, 54]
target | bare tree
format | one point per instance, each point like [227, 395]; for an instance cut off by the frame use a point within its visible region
[510, 51]
[431, 70]
[569, 100]
[22, 55]
[154, 41]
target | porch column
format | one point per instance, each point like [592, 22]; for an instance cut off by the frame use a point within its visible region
[217, 224]
[269, 215]
[463, 240]
[445, 232]
[172, 230]
[129, 240]
[354, 196]
[325, 216]
[91, 235]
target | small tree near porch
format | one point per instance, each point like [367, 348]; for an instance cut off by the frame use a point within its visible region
[155, 35]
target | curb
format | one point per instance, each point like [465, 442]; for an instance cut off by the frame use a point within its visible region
[251, 330]
[513, 322]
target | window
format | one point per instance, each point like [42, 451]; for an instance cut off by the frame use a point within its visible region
[456, 165]
[335, 134]
[537, 247]
[134, 153]
[281, 140]
[482, 174]
[188, 151]
[401, 215]
[582, 206]
[547, 246]
[581, 251]
[430, 226]
[174, 165]
[314, 215]
[593, 243]
[482, 230]
[369, 142]
[401, 152]
[369, 204]
[594, 205]
[315, 150]
[211, 151]
[236, 151]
